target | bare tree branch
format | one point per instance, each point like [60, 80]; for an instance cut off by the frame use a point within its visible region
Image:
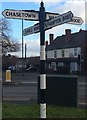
[7, 40]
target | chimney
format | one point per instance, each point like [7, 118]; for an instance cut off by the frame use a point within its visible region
[46, 44]
[51, 37]
[81, 30]
[68, 33]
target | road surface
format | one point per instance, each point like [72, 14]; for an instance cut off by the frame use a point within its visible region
[26, 90]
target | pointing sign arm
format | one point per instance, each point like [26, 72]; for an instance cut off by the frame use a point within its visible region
[61, 19]
[76, 20]
[20, 14]
[33, 15]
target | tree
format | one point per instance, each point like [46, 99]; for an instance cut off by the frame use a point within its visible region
[8, 43]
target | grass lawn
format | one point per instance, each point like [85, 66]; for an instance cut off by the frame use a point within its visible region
[10, 110]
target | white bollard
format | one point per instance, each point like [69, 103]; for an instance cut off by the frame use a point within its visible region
[8, 75]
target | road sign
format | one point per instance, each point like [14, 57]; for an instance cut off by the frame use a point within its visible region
[31, 30]
[35, 28]
[60, 19]
[76, 21]
[19, 14]
[49, 15]
[34, 15]
[26, 14]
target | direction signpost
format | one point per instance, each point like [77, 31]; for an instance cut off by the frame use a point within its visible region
[34, 15]
[26, 14]
[20, 14]
[36, 27]
[76, 21]
[46, 21]
[61, 19]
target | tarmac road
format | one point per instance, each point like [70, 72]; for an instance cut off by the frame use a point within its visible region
[24, 89]
[20, 92]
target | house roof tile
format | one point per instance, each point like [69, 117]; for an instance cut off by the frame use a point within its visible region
[75, 40]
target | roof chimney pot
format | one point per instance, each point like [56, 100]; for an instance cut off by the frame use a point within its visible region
[46, 44]
[51, 37]
[68, 32]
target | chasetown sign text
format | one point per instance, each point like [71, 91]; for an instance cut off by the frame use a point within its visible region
[20, 14]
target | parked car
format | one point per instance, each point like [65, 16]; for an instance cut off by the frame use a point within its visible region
[12, 68]
[32, 69]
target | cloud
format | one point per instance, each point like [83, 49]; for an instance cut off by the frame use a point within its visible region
[33, 47]
[77, 8]
[31, 0]
[40, 0]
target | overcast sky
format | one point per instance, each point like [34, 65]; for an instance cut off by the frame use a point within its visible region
[77, 7]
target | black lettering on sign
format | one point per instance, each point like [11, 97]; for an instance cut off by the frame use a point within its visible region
[14, 14]
[30, 30]
[7, 13]
[58, 20]
[36, 27]
[76, 20]
[66, 17]
[29, 15]
[50, 17]
[22, 14]
[19, 14]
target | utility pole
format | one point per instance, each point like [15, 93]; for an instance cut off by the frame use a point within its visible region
[22, 47]
[25, 53]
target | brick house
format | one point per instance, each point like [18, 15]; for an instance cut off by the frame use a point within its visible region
[67, 53]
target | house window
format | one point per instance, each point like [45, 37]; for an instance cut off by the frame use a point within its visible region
[75, 52]
[55, 54]
[60, 64]
[63, 53]
[71, 55]
[53, 65]
[49, 66]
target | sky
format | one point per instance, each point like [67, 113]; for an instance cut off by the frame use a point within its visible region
[77, 7]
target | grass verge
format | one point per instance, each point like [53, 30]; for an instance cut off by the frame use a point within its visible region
[10, 110]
